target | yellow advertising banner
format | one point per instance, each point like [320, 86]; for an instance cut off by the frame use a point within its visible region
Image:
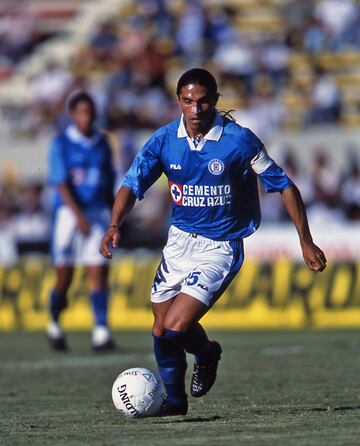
[282, 293]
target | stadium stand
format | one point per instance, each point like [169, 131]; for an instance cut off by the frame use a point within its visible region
[292, 51]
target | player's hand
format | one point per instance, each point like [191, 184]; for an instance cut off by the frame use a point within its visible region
[111, 238]
[313, 256]
[83, 225]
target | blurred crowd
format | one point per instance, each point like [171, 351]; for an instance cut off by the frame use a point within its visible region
[131, 62]
[331, 195]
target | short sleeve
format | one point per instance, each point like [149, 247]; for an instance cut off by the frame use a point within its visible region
[145, 169]
[272, 176]
[57, 167]
[274, 179]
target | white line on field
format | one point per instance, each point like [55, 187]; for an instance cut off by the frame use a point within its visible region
[283, 351]
[74, 361]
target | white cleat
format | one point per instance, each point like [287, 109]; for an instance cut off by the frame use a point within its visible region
[56, 336]
[101, 339]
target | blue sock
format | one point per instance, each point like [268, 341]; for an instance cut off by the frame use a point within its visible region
[57, 303]
[195, 341]
[171, 361]
[99, 301]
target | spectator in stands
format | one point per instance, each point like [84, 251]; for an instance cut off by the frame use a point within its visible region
[315, 38]
[262, 112]
[336, 16]
[234, 58]
[272, 209]
[17, 33]
[154, 12]
[190, 33]
[274, 58]
[326, 207]
[47, 92]
[296, 13]
[325, 100]
[51, 85]
[300, 176]
[325, 212]
[325, 175]
[218, 27]
[350, 193]
[105, 41]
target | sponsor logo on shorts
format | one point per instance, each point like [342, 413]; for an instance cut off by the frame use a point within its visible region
[194, 195]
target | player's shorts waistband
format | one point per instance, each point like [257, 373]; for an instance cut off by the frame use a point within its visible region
[176, 230]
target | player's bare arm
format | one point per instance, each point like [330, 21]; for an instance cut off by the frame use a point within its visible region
[66, 195]
[313, 255]
[124, 202]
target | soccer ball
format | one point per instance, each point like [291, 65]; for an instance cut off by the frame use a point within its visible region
[138, 392]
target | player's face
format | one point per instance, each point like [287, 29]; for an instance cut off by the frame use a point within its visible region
[198, 107]
[83, 117]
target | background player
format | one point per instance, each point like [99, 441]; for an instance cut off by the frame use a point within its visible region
[80, 168]
[211, 163]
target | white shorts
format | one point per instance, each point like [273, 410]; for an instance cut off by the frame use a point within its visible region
[196, 265]
[70, 246]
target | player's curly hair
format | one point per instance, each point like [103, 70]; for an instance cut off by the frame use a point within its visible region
[198, 76]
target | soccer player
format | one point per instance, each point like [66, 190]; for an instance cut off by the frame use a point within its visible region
[81, 170]
[212, 165]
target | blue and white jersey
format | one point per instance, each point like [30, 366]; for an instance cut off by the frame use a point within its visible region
[85, 166]
[213, 184]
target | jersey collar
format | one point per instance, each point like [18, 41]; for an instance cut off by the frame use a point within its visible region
[73, 133]
[213, 134]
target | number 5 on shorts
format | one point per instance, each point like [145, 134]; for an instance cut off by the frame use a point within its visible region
[192, 278]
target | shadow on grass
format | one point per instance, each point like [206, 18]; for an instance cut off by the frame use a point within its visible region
[326, 409]
[190, 420]
[339, 408]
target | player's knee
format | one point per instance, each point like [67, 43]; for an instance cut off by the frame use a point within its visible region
[158, 329]
[97, 284]
[176, 324]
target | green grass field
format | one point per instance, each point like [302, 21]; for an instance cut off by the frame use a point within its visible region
[274, 388]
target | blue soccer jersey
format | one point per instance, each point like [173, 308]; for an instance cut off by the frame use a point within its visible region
[85, 166]
[213, 184]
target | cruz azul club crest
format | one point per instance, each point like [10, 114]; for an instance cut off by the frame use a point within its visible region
[216, 167]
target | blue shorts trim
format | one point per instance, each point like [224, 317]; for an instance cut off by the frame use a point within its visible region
[238, 259]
